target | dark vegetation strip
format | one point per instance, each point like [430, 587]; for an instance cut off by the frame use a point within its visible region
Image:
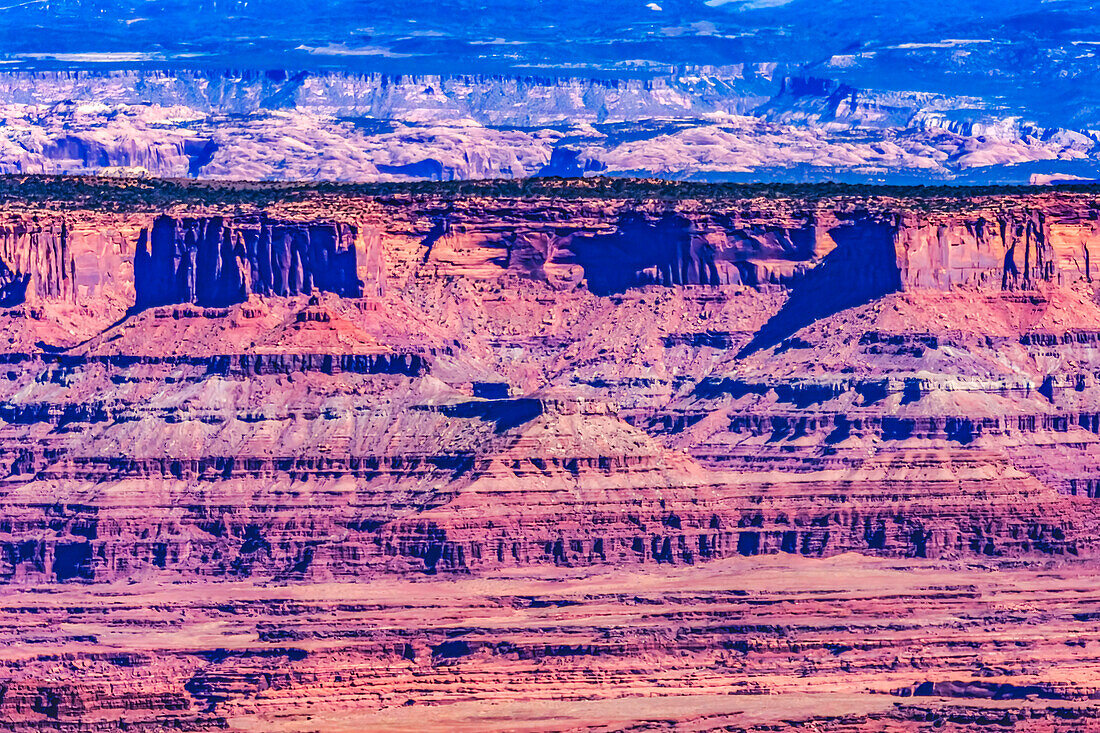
[151, 194]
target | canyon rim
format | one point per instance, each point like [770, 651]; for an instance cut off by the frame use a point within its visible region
[618, 366]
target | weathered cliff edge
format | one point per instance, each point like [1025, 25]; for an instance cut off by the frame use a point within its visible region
[609, 242]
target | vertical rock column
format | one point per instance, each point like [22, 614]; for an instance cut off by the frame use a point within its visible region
[216, 262]
[186, 261]
[35, 261]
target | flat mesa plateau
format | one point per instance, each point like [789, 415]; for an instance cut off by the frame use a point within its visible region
[544, 455]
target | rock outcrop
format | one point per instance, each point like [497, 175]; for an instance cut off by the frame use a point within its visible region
[577, 383]
[745, 122]
[36, 261]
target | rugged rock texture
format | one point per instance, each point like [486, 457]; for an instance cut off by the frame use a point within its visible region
[36, 261]
[247, 401]
[740, 122]
[214, 262]
[757, 644]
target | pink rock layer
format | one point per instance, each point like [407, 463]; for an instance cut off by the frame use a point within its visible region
[260, 395]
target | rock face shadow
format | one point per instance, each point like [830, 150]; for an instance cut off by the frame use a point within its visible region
[641, 252]
[861, 268]
[670, 251]
[504, 413]
[216, 262]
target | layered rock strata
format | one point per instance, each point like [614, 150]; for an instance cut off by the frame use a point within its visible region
[251, 388]
[759, 644]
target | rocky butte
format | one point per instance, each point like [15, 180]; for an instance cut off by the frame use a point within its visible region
[555, 455]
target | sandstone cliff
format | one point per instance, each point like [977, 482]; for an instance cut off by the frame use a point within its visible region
[719, 300]
[240, 389]
[215, 262]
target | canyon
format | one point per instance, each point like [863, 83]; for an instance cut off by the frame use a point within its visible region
[549, 454]
[746, 121]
